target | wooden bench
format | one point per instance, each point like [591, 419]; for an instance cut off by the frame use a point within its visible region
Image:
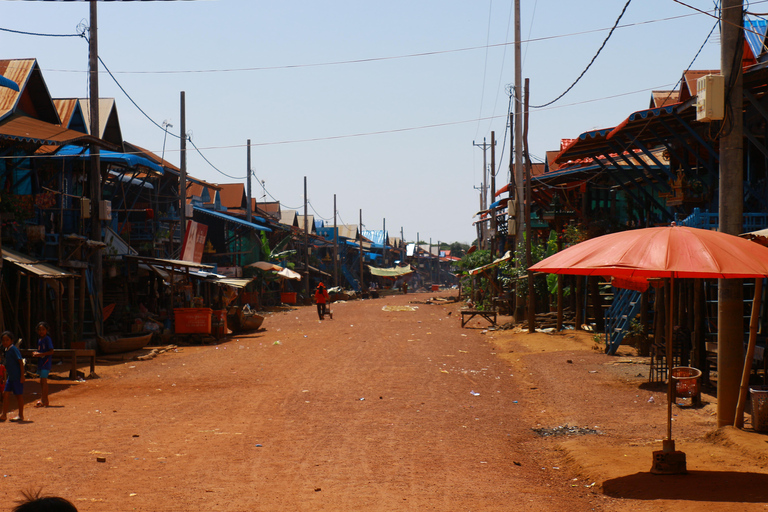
[469, 314]
[67, 354]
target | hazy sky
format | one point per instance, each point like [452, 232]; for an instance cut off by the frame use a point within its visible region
[376, 102]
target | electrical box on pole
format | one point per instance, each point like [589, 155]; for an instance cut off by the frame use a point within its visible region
[710, 98]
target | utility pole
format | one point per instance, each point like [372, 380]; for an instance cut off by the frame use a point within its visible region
[518, 136]
[183, 168]
[402, 245]
[95, 160]
[249, 207]
[730, 299]
[431, 263]
[384, 243]
[528, 233]
[493, 194]
[361, 250]
[483, 199]
[335, 246]
[306, 238]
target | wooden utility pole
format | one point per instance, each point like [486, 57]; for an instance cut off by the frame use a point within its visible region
[518, 137]
[183, 169]
[384, 242]
[483, 195]
[528, 231]
[95, 161]
[730, 292]
[335, 246]
[492, 212]
[402, 245]
[361, 251]
[249, 207]
[306, 239]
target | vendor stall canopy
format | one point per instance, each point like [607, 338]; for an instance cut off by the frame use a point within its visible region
[390, 272]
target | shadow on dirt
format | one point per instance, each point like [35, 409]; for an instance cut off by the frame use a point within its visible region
[714, 486]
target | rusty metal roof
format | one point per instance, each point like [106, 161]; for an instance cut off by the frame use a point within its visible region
[26, 129]
[33, 98]
[133, 148]
[69, 111]
[664, 98]
[34, 266]
[232, 195]
[688, 85]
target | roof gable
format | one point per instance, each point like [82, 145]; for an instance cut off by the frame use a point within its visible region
[109, 122]
[71, 114]
[232, 195]
[33, 98]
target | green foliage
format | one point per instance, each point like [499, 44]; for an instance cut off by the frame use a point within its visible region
[458, 250]
[276, 253]
[467, 263]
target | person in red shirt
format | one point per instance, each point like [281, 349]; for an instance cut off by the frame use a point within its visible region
[321, 299]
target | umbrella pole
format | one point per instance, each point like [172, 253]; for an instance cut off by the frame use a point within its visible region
[669, 461]
[670, 445]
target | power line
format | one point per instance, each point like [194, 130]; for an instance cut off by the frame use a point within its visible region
[485, 64]
[392, 57]
[610, 33]
[38, 34]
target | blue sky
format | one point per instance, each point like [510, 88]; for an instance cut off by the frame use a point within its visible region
[376, 102]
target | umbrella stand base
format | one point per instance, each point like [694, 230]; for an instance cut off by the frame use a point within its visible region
[668, 461]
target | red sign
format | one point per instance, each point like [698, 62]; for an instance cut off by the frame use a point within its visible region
[194, 242]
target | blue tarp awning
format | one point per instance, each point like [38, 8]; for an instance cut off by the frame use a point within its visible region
[109, 156]
[229, 218]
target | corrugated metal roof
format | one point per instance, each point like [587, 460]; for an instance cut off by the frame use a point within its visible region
[232, 195]
[67, 107]
[33, 98]
[109, 123]
[310, 222]
[289, 218]
[128, 160]
[348, 231]
[17, 70]
[688, 87]
[754, 33]
[664, 98]
[229, 218]
[26, 129]
[34, 266]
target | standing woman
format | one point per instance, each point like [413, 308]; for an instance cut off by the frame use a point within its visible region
[14, 365]
[45, 360]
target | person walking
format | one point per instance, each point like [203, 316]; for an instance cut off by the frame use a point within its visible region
[321, 299]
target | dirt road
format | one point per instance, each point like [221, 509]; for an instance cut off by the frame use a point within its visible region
[389, 406]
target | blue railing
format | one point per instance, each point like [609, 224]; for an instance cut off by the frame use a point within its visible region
[706, 220]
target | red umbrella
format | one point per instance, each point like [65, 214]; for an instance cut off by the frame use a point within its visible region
[671, 252]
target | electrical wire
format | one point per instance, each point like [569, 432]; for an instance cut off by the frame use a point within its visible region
[610, 33]
[213, 166]
[37, 34]
[393, 57]
[317, 214]
[503, 58]
[485, 65]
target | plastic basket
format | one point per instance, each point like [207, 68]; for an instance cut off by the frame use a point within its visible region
[759, 403]
[686, 381]
[192, 320]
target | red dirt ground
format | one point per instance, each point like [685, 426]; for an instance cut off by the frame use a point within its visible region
[376, 410]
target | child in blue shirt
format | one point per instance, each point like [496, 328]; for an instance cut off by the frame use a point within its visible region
[14, 366]
[44, 362]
